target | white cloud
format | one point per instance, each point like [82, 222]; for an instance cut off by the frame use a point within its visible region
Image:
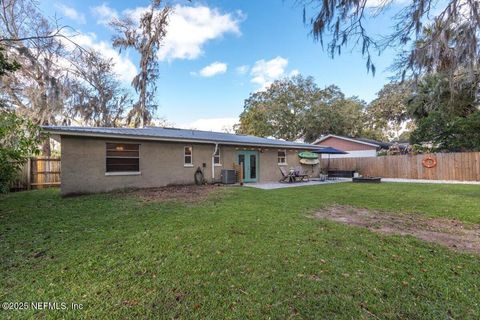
[135, 13]
[212, 124]
[293, 73]
[381, 3]
[104, 13]
[375, 3]
[241, 70]
[123, 66]
[264, 72]
[212, 69]
[190, 28]
[71, 13]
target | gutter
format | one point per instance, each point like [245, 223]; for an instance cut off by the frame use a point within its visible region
[347, 139]
[150, 138]
[213, 161]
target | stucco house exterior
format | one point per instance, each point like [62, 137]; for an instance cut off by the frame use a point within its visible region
[104, 159]
[355, 147]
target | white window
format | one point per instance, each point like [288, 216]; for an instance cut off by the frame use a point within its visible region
[216, 157]
[282, 157]
[188, 157]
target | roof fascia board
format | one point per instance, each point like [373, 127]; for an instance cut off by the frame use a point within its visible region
[138, 137]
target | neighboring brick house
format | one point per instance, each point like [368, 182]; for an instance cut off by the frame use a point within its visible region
[356, 147]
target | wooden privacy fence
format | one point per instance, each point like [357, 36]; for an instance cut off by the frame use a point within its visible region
[463, 166]
[39, 172]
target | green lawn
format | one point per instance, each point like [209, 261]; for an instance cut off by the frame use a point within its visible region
[244, 253]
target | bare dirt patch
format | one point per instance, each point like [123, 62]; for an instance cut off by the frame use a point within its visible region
[448, 232]
[182, 193]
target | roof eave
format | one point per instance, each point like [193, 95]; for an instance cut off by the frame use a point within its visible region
[165, 139]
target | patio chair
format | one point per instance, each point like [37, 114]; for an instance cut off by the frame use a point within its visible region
[285, 175]
[300, 174]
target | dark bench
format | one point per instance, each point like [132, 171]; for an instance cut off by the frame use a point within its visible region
[340, 174]
[367, 180]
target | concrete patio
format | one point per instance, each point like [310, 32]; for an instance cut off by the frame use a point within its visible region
[281, 185]
[315, 182]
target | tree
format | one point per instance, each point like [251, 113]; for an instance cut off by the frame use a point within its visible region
[145, 36]
[58, 82]
[19, 139]
[254, 120]
[7, 66]
[280, 110]
[388, 112]
[333, 113]
[454, 36]
[36, 90]
[96, 96]
[295, 108]
[447, 119]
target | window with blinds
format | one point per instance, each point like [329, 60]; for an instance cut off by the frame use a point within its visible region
[123, 157]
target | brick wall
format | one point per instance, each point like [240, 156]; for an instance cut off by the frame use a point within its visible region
[344, 145]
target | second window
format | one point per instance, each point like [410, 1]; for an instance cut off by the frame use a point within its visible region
[216, 157]
[188, 156]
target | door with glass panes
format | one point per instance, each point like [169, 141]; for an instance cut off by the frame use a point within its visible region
[249, 162]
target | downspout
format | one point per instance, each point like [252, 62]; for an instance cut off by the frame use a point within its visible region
[213, 161]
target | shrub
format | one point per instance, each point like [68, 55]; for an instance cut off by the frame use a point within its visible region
[19, 139]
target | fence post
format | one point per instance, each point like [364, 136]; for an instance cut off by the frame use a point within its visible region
[29, 173]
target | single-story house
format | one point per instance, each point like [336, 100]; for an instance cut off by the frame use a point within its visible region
[102, 159]
[355, 147]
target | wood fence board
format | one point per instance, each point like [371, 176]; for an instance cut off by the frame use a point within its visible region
[446, 166]
[460, 165]
[456, 160]
[38, 172]
[450, 165]
[469, 167]
[477, 160]
[419, 168]
[466, 165]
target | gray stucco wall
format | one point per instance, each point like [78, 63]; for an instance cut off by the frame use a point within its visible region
[161, 164]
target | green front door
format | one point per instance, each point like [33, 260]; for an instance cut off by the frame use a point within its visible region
[249, 162]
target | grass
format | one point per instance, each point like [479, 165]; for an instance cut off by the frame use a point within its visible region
[244, 253]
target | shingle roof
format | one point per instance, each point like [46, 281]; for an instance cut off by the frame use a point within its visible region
[174, 134]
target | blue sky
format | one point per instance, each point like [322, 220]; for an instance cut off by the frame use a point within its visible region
[218, 52]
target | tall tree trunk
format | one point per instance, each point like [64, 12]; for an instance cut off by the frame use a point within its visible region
[46, 149]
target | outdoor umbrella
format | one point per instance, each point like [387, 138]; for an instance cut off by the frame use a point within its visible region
[329, 151]
[309, 158]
